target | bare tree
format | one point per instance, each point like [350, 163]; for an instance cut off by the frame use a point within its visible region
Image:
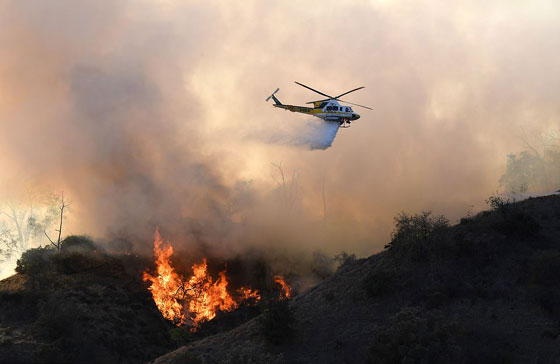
[287, 190]
[24, 218]
[20, 219]
[551, 140]
[539, 157]
[63, 205]
[8, 243]
[537, 168]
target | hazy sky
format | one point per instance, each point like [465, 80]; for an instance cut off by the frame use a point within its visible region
[152, 112]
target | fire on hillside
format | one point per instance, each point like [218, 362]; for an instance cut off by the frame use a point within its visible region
[192, 301]
[286, 290]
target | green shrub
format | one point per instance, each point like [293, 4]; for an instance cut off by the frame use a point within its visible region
[35, 261]
[77, 244]
[412, 233]
[498, 203]
[513, 220]
[77, 253]
[277, 323]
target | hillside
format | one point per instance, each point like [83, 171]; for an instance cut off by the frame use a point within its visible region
[80, 308]
[483, 291]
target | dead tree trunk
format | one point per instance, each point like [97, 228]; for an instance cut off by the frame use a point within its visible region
[288, 193]
[59, 230]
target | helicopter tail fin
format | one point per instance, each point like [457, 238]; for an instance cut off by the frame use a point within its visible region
[276, 101]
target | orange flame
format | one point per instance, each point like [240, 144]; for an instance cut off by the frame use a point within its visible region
[206, 297]
[196, 300]
[286, 290]
[166, 283]
[247, 294]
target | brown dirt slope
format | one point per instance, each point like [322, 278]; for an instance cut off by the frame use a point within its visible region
[483, 291]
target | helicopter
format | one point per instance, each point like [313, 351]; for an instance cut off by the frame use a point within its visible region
[328, 109]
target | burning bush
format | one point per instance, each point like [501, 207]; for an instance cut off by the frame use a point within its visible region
[35, 261]
[76, 254]
[195, 300]
[286, 290]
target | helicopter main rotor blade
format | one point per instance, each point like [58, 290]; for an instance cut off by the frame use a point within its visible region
[332, 98]
[346, 93]
[312, 102]
[309, 88]
[356, 104]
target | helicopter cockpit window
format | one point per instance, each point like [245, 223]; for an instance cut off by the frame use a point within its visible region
[347, 110]
[329, 108]
[335, 108]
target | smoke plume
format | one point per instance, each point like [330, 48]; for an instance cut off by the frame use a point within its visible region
[141, 111]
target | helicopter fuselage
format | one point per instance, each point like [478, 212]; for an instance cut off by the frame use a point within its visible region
[327, 110]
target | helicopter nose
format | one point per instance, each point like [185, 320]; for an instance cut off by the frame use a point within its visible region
[355, 116]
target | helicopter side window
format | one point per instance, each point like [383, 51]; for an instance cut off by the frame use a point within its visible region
[335, 108]
[329, 108]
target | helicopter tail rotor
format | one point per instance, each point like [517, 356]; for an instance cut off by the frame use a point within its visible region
[274, 98]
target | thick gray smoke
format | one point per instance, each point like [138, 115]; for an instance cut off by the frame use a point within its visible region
[144, 112]
[101, 110]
